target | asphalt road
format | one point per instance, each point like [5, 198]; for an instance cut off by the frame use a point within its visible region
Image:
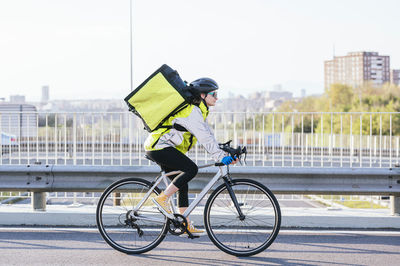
[73, 246]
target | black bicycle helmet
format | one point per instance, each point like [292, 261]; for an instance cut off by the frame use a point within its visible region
[204, 85]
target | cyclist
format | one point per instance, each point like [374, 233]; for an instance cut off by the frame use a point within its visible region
[167, 145]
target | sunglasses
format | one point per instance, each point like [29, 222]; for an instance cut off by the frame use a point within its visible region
[213, 94]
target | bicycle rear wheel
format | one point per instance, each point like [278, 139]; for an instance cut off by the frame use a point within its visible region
[116, 225]
[251, 234]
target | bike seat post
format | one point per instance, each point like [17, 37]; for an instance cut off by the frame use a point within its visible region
[164, 178]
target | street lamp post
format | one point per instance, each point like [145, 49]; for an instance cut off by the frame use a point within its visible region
[130, 39]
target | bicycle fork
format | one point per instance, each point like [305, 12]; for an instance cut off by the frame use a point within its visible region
[228, 184]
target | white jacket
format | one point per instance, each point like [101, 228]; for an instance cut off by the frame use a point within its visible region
[195, 123]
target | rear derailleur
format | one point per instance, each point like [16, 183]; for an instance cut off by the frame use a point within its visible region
[130, 222]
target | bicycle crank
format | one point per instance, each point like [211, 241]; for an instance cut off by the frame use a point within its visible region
[178, 225]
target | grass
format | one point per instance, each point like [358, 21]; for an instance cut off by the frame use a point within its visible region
[353, 202]
[16, 198]
[358, 204]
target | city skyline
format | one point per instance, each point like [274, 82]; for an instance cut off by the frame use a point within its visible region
[81, 49]
[357, 68]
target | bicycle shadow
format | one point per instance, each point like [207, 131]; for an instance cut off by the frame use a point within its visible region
[310, 248]
[234, 260]
[348, 239]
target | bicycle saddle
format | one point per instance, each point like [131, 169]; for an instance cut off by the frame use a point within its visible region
[148, 158]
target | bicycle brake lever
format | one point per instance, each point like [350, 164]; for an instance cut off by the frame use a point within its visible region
[244, 151]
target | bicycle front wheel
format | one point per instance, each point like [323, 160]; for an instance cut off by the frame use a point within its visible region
[126, 233]
[247, 235]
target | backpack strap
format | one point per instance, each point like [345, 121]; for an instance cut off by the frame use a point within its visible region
[175, 126]
[162, 133]
[191, 141]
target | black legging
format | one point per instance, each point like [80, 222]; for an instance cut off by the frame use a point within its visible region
[170, 159]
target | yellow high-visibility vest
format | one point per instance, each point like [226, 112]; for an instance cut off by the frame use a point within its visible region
[188, 139]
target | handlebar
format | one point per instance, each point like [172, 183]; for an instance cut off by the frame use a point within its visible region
[235, 153]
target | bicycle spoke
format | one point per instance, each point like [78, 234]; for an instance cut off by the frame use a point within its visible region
[258, 219]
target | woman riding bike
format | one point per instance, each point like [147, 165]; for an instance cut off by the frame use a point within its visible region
[167, 145]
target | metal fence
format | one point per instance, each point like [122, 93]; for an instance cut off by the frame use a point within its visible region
[289, 201]
[273, 139]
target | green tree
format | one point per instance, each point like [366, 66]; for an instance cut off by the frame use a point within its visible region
[340, 97]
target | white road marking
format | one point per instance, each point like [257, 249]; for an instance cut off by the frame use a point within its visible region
[322, 232]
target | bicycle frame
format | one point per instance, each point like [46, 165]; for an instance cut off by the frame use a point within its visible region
[223, 171]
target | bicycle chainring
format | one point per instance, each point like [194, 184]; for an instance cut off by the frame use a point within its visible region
[178, 225]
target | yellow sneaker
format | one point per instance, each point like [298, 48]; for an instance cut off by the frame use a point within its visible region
[194, 231]
[162, 203]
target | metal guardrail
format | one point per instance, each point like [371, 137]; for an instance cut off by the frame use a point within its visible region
[352, 181]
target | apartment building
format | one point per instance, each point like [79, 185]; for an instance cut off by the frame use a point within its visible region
[356, 68]
[19, 119]
[395, 76]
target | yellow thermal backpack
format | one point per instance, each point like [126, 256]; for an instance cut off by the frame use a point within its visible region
[161, 95]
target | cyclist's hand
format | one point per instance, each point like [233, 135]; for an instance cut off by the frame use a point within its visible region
[235, 161]
[227, 160]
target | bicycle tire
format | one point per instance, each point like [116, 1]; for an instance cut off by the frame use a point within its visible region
[224, 226]
[110, 217]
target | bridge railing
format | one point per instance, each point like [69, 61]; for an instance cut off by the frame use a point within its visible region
[273, 139]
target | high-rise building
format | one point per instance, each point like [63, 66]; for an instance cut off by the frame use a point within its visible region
[17, 98]
[45, 94]
[395, 76]
[356, 68]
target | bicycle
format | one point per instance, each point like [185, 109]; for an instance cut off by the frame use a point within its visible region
[242, 217]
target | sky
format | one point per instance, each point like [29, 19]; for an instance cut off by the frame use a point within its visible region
[81, 49]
